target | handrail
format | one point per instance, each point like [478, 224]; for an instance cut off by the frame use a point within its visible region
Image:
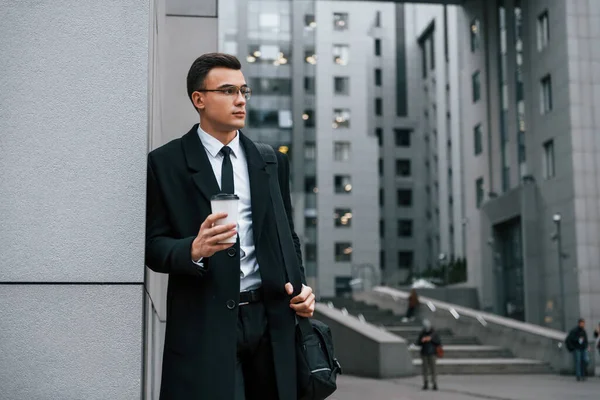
[476, 314]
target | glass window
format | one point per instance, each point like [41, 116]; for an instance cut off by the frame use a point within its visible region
[310, 222]
[343, 252]
[341, 151]
[340, 21]
[479, 192]
[378, 79]
[423, 60]
[404, 197]
[403, 168]
[378, 106]
[310, 57]
[309, 22]
[549, 171]
[431, 52]
[341, 85]
[405, 259]
[270, 118]
[309, 118]
[310, 252]
[378, 19]
[477, 139]
[379, 134]
[341, 54]
[381, 228]
[382, 259]
[341, 118]
[310, 184]
[310, 151]
[271, 86]
[405, 228]
[377, 47]
[475, 35]
[381, 197]
[342, 217]
[546, 95]
[380, 166]
[402, 137]
[476, 87]
[543, 31]
[309, 84]
[342, 184]
[276, 54]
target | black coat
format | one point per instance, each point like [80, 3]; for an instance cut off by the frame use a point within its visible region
[200, 341]
[573, 342]
[428, 348]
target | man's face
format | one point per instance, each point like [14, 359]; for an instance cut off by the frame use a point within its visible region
[224, 110]
[582, 324]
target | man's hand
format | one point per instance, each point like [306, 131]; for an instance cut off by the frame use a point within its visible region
[207, 242]
[426, 339]
[304, 303]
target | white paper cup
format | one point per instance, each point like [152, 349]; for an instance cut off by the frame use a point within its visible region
[226, 203]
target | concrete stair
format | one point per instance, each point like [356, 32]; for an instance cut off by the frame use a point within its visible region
[463, 355]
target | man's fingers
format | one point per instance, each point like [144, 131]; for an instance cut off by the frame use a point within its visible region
[306, 292]
[214, 240]
[216, 230]
[289, 289]
[305, 305]
[211, 219]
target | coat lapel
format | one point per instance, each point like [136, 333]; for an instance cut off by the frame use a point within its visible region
[259, 185]
[197, 161]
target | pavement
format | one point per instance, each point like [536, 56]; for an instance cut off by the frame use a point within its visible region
[471, 387]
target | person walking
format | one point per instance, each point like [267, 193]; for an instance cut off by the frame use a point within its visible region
[429, 341]
[413, 303]
[577, 343]
[230, 331]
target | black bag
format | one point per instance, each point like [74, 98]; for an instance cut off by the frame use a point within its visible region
[317, 367]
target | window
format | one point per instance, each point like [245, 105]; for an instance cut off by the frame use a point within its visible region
[310, 151]
[340, 21]
[341, 53]
[341, 151]
[543, 31]
[402, 137]
[403, 168]
[310, 184]
[310, 222]
[309, 118]
[378, 79]
[309, 84]
[432, 52]
[476, 87]
[342, 217]
[310, 57]
[309, 22]
[378, 19]
[378, 106]
[341, 85]
[404, 197]
[549, 171]
[342, 184]
[271, 86]
[405, 259]
[380, 167]
[475, 35]
[379, 134]
[270, 119]
[381, 197]
[381, 228]
[479, 192]
[343, 252]
[275, 54]
[311, 252]
[477, 139]
[546, 95]
[377, 47]
[382, 259]
[341, 118]
[405, 227]
[423, 59]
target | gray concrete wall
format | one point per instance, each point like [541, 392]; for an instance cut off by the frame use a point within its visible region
[73, 117]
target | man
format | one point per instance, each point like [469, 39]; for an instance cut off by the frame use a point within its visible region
[577, 342]
[429, 341]
[230, 307]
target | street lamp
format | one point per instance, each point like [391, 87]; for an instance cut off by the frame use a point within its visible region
[557, 218]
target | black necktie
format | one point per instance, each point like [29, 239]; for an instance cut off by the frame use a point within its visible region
[227, 171]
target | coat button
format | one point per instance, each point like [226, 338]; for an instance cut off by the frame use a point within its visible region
[230, 304]
[231, 252]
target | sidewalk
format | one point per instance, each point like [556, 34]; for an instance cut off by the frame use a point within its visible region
[489, 387]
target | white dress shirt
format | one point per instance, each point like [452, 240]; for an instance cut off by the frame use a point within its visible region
[249, 272]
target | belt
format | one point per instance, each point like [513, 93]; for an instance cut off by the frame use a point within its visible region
[250, 296]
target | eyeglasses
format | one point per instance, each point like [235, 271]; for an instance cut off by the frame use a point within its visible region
[232, 91]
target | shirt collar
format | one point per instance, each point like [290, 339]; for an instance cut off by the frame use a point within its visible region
[214, 146]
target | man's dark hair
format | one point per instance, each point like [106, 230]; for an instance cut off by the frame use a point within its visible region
[581, 320]
[202, 66]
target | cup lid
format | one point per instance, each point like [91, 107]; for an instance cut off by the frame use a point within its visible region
[225, 196]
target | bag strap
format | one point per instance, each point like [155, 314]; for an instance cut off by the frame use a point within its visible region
[283, 228]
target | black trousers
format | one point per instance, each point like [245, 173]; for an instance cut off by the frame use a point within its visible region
[255, 369]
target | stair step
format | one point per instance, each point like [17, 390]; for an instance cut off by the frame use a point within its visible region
[466, 366]
[468, 351]
[446, 340]
[415, 330]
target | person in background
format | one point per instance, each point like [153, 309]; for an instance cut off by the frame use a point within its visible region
[413, 303]
[597, 337]
[429, 341]
[577, 343]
